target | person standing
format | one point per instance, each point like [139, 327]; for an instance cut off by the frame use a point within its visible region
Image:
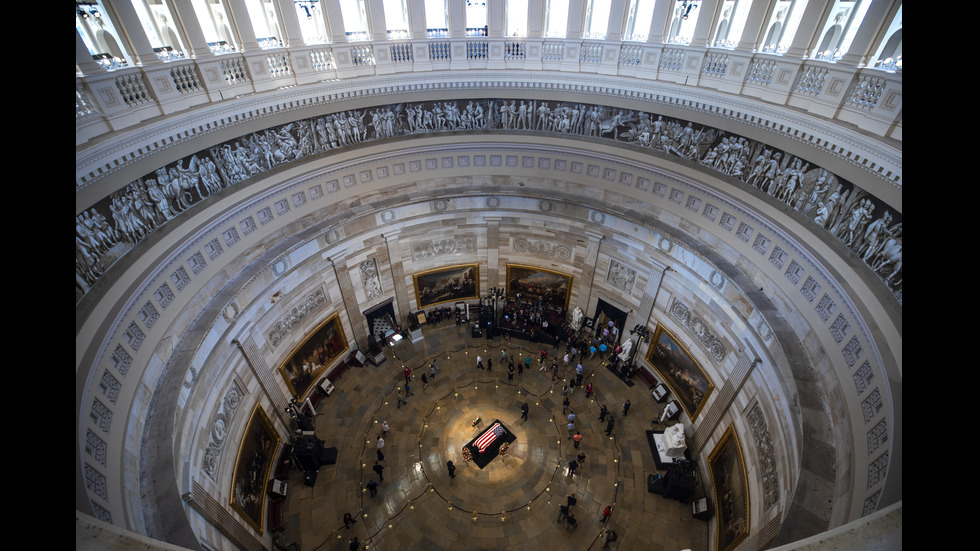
[626, 407]
[401, 399]
[432, 370]
[610, 537]
[384, 428]
[373, 487]
[588, 390]
[524, 410]
[408, 374]
[564, 404]
[380, 471]
[571, 416]
[348, 520]
[609, 425]
[603, 412]
[571, 427]
[452, 469]
[572, 465]
[503, 355]
[527, 362]
[408, 390]
[489, 364]
[577, 438]
[606, 513]
[554, 371]
[510, 372]
[425, 382]
[571, 501]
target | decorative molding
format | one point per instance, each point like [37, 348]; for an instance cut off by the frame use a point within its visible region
[766, 455]
[424, 250]
[219, 429]
[296, 315]
[543, 249]
[715, 348]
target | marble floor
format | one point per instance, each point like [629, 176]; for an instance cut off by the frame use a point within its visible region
[512, 503]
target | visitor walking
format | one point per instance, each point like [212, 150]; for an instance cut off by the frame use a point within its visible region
[606, 513]
[380, 471]
[348, 520]
[603, 412]
[401, 399]
[408, 374]
[479, 362]
[425, 382]
[524, 410]
[451, 468]
[577, 438]
[610, 425]
[626, 407]
[373, 487]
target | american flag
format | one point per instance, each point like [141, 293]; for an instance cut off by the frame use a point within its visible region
[488, 437]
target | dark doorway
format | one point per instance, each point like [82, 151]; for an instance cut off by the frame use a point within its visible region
[606, 313]
[381, 320]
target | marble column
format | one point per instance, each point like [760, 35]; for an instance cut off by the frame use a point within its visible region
[132, 29]
[644, 311]
[193, 33]
[265, 374]
[753, 28]
[397, 276]
[860, 49]
[586, 280]
[709, 420]
[493, 252]
[355, 317]
[704, 27]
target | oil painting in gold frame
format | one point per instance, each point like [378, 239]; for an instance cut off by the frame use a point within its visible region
[313, 356]
[731, 490]
[533, 283]
[680, 371]
[255, 454]
[447, 284]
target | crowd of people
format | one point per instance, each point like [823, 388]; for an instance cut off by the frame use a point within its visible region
[561, 358]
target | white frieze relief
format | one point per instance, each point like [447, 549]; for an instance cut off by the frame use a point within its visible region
[311, 303]
[767, 456]
[715, 348]
[544, 249]
[219, 428]
[110, 228]
[458, 245]
[621, 276]
[371, 278]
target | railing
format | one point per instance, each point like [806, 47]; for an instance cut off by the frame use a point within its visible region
[138, 93]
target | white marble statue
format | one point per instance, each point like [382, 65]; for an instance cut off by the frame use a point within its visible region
[625, 354]
[577, 318]
[674, 441]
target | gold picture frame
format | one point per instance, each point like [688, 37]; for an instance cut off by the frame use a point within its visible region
[307, 362]
[448, 284]
[731, 491]
[679, 370]
[252, 467]
[554, 288]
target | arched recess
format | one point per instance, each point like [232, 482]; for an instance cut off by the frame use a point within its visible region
[357, 205]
